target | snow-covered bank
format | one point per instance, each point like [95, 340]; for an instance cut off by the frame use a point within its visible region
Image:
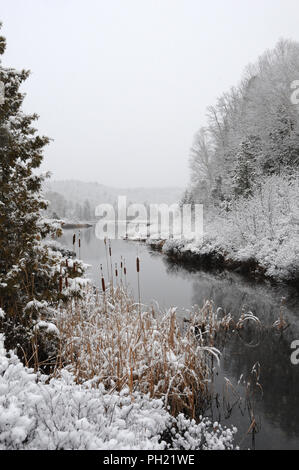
[36, 413]
[258, 235]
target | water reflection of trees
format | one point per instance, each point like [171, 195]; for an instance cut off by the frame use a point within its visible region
[279, 378]
[232, 292]
[87, 236]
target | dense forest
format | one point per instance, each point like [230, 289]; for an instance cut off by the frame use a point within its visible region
[252, 131]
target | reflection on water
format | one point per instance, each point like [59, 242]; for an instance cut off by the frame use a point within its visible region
[173, 285]
[278, 408]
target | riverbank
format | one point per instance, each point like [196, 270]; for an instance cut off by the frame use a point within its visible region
[208, 258]
[168, 283]
[74, 225]
[257, 236]
[60, 414]
[124, 377]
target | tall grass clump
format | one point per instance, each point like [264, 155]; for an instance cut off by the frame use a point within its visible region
[109, 339]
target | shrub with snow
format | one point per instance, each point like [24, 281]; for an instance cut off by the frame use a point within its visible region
[36, 413]
[263, 228]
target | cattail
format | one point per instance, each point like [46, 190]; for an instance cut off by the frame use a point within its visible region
[74, 239]
[138, 271]
[60, 284]
[66, 263]
[121, 269]
[125, 272]
[74, 267]
[102, 279]
[106, 253]
[110, 254]
[66, 282]
[116, 271]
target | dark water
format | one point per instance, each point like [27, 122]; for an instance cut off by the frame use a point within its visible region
[277, 410]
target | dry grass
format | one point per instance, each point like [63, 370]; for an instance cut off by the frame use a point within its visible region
[109, 339]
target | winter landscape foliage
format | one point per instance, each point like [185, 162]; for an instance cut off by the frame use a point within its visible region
[106, 387]
[261, 230]
[36, 413]
[84, 369]
[29, 264]
[244, 170]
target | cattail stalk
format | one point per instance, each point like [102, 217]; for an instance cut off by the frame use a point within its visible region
[74, 243]
[125, 273]
[106, 251]
[121, 270]
[103, 287]
[110, 255]
[138, 280]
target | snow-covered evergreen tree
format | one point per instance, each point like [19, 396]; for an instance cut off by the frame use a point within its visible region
[284, 144]
[246, 167]
[187, 199]
[29, 268]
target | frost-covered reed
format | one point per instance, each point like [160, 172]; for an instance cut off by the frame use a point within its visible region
[111, 340]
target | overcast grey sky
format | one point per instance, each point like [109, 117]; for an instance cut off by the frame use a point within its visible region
[122, 85]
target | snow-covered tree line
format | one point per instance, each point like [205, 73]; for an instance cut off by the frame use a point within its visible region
[245, 170]
[61, 208]
[252, 130]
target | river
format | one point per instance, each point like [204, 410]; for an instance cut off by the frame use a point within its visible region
[276, 410]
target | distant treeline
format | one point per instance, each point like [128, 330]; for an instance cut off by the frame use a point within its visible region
[60, 208]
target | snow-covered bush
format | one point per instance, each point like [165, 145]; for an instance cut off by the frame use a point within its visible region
[36, 413]
[263, 228]
[188, 435]
[60, 280]
[266, 226]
